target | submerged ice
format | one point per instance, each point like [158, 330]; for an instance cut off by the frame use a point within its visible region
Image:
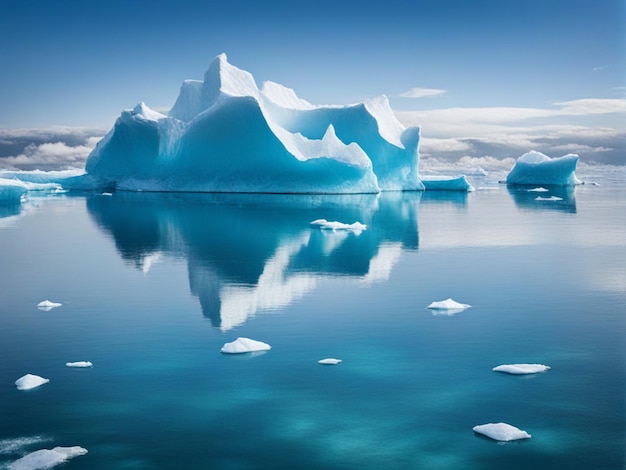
[225, 134]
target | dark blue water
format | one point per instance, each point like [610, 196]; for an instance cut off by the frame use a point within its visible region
[153, 285]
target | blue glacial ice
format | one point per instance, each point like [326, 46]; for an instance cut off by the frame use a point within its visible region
[444, 183]
[535, 168]
[225, 134]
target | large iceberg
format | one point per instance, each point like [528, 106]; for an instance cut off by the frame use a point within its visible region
[224, 134]
[535, 168]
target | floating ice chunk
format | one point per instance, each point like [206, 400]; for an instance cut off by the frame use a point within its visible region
[501, 431]
[244, 345]
[30, 381]
[551, 198]
[324, 224]
[535, 168]
[446, 183]
[79, 364]
[47, 305]
[330, 361]
[521, 368]
[46, 458]
[448, 304]
[538, 190]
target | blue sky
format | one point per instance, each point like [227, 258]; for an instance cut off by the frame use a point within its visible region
[501, 64]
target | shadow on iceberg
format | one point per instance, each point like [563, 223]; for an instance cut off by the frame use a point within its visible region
[548, 198]
[247, 253]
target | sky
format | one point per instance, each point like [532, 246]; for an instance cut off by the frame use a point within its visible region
[486, 80]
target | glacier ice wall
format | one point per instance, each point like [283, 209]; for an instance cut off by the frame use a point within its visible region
[225, 134]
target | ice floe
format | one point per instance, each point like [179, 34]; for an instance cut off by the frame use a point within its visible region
[521, 368]
[48, 305]
[329, 361]
[501, 431]
[46, 458]
[79, 364]
[356, 227]
[244, 345]
[551, 198]
[29, 381]
[538, 190]
[448, 304]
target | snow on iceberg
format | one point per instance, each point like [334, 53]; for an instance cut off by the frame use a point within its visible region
[329, 361]
[79, 364]
[501, 432]
[518, 369]
[245, 345]
[445, 183]
[535, 168]
[48, 305]
[30, 381]
[224, 134]
[356, 227]
[46, 458]
[448, 304]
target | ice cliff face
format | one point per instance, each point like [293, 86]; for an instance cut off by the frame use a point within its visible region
[224, 134]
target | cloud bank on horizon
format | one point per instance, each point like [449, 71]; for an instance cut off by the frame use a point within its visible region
[484, 80]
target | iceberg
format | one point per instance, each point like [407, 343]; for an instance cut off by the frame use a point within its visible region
[12, 190]
[46, 458]
[501, 432]
[225, 134]
[244, 345]
[551, 198]
[521, 368]
[329, 361]
[448, 304]
[79, 364]
[30, 381]
[48, 305]
[444, 183]
[535, 168]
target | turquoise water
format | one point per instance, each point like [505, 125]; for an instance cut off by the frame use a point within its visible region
[152, 286]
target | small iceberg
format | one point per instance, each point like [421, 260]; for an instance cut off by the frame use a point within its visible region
[244, 345]
[329, 361]
[356, 227]
[79, 364]
[535, 168]
[47, 305]
[446, 183]
[551, 198]
[46, 458]
[30, 381]
[538, 190]
[521, 368]
[501, 432]
[448, 304]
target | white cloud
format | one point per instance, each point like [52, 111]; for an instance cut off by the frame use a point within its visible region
[53, 155]
[418, 92]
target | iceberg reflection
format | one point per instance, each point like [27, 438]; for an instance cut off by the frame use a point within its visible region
[247, 253]
[544, 198]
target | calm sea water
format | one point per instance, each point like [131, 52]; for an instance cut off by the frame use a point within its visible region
[152, 286]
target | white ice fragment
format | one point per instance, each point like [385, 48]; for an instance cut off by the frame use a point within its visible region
[521, 368]
[356, 227]
[330, 361]
[538, 190]
[47, 305]
[79, 364]
[551, 198]
[447, 304]
[46, 458]
[29, 381]
[501, 431]
[244, 345]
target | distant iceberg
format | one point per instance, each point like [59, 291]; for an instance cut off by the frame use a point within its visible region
[244, 345]
[550, 198]
[501, 432]
[329, 361]
[448, 304]
[535, 168]
[30, 381]
[519, 369]
[46, 458]
[225, 134]
[324, 224]
[444, 183]
[79, 364]
[48, 305]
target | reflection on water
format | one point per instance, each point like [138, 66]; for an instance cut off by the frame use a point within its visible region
[549, 198]
[247, 253]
